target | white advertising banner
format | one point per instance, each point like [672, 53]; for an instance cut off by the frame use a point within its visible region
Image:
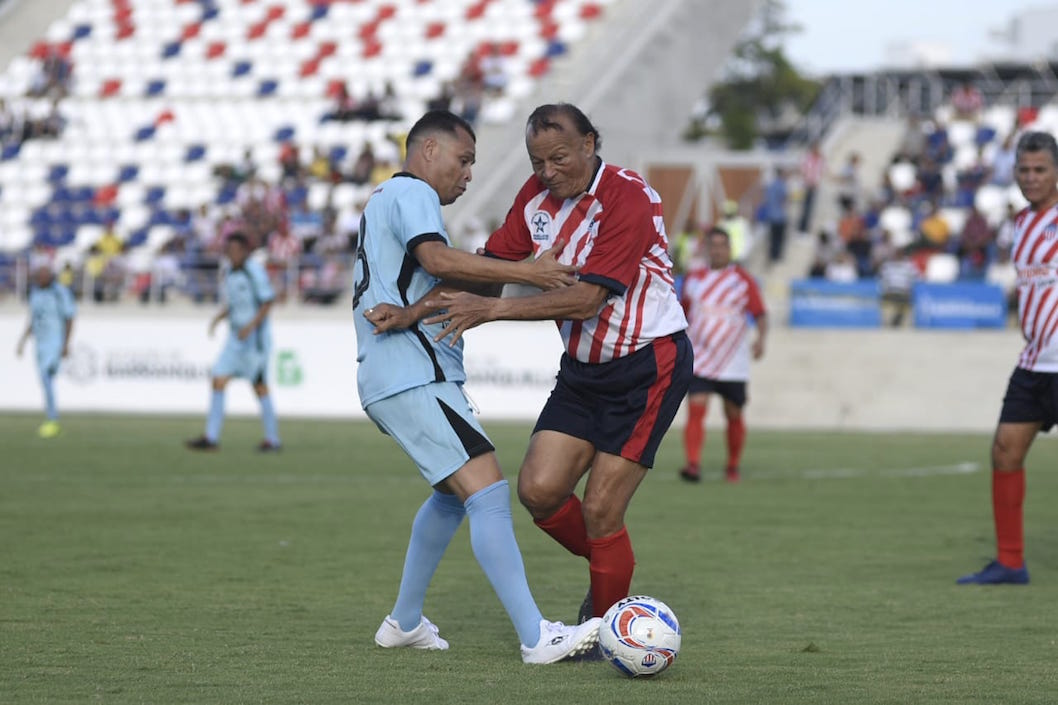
[161, 364]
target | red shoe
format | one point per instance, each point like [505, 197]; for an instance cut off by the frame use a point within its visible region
[731, 475]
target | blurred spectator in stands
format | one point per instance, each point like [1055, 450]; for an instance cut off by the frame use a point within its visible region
[848, 180]
[246, 168]
[934, 229]
[389, 104]
[930, 179]
[824, 254]
[52, 124]
[773, 214]
[348, 224]
[852, 233]
[813, 167]
[738, 230]
[896, 277]
[165, 273]
[841, 269]
[1002, 273]
[320, 165]
[914, 141]
[685, 245]
[8, 124]
[364, 165]
[283, 252]
[67, 276]
[443, 100]
[967, 101]
[345, 105]
[306, 225]
[289, 162]
[937, 146]
[469, 91]
[53, 78]
[494, 70]
[975, 244]
[1005, 233]
[1003, 163]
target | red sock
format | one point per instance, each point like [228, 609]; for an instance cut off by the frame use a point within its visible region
[611, 566]
[567, 527]
[736, 438]
[1008, 495]
[694, 433]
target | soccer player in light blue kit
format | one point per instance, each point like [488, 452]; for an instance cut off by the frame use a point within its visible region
[51, 314]
[249, 347]
[411, 387]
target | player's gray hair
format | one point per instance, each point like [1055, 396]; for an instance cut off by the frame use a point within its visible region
[1038, 142]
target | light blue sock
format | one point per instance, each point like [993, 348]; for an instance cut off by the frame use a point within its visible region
[434, 526]
[48, 381]
[268, 420]
[215, 420]
[492, 538]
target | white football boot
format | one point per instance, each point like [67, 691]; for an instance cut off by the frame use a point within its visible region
[424, 636]
[559, 642]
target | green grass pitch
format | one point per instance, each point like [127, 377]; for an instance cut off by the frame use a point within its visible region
[132, 571]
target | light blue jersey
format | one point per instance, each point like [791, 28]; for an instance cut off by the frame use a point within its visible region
[402, 213]
[246, 290]
[50, 308]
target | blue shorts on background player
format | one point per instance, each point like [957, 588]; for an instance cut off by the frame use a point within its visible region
[246, 354]
[51, 314]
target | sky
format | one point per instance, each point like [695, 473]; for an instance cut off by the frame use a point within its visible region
[852, 35]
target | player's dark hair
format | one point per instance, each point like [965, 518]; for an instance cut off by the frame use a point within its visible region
[543, 118]
[1037, 142]
[439, 121]
[717, 230]
[239, 237]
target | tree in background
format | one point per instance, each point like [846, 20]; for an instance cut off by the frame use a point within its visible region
[762, 93]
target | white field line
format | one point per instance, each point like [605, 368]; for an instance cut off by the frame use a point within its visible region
[963, 468]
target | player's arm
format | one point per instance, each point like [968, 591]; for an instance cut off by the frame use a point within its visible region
[450, 264]
[221, 315]
[25, 336]
[762, 333]
[256, 321]
[464, 311]
[66, 336]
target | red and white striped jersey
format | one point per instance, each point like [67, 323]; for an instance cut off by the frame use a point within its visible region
[1035, 256]
[718, 304]
[615, 235]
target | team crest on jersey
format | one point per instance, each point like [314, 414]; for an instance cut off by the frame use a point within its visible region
[1050, 232]
[541, 225]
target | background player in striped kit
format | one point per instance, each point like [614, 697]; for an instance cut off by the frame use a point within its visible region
[719, 300]
[627, 361]
[1031, 401]
[51, 314]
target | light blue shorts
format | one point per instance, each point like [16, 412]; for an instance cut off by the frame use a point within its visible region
[243, 358]
[435, 425]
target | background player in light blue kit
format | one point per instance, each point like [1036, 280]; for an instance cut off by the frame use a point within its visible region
[411, 387]
[249, 347]
[51, 314]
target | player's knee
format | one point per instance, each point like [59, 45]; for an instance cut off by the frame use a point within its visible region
[218, 384]
[536, 496]
[600, 516]
[1006, 455]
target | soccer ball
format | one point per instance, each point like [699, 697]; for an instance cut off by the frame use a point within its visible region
[640, 636]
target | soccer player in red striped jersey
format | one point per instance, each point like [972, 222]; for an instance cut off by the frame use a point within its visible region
[719, 301]
[1031, 401]
[627, 362]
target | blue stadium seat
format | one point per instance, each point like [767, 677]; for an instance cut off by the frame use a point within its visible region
[170, 50]
[555, 48]
[145, 133]
[284, 134]
[422, 68]
[58, 173]
[128, 172]
[155, 87]
[155, 194]
[194, 153]
[241, 68]
[267, 87]
[81, 31]
[10, 151]
[137, 237]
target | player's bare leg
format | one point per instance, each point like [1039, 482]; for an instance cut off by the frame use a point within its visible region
[736, 439]
[1010, 447]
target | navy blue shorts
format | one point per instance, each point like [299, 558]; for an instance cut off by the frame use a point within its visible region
[625, 406]
[1031, 397]
[734, 392]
